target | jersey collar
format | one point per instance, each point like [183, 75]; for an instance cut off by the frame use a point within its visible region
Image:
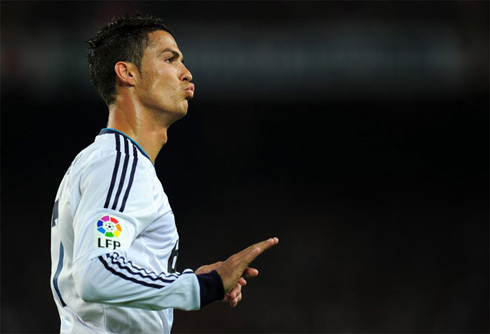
[110, 130]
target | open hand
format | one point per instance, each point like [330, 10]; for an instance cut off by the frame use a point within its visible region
[236, 266]
[235, 269]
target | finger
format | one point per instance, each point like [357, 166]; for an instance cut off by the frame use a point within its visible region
[232, 294]
[263, 245]
[252, 252]
[234, 302]
[237, 300]
[230, 301]
[250, 272]
[235, 291]
[242, 281]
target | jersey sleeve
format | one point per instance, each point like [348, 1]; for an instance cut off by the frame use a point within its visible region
[105, 227]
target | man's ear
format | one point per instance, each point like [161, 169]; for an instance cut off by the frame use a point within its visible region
[125, 73]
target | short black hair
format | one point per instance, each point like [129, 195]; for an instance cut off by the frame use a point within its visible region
[123, 39]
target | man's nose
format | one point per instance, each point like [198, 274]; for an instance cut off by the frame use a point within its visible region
[187, 75]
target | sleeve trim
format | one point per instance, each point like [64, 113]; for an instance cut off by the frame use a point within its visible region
[125, 269]
[211, 287]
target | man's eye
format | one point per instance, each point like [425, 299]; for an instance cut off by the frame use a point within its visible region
[170, 60]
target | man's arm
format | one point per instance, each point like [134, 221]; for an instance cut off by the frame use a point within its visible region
[109, 279]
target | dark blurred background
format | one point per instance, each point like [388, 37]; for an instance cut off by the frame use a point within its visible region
[356, 132]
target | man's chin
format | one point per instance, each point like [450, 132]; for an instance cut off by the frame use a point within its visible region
[178, 114]
[184, 109]
[183, 113]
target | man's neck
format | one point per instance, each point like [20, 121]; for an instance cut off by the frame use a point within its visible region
[141, 126]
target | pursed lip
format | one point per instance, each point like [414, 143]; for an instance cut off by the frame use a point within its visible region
[190, 90]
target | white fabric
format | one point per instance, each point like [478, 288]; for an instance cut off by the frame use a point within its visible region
[114, 244]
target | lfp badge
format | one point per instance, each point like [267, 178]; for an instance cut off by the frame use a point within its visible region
[108, 228]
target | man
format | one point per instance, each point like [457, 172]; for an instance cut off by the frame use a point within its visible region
[114, 243]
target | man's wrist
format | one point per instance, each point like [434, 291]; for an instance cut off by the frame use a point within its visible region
[210, 287]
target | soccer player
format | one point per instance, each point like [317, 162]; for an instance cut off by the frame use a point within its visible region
[114, 243]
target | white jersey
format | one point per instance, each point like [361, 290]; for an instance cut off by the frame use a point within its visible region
[114, 245]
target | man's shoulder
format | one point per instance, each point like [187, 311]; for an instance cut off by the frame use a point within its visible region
[111, 148]
[93, 153]
[114, 143]
[111, 157]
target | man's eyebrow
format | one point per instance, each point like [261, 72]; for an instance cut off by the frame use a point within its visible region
[175, 53]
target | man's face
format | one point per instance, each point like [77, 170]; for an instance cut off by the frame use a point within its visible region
[165, 83]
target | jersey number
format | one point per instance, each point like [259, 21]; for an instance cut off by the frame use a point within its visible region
[54, 216]
[172, 260]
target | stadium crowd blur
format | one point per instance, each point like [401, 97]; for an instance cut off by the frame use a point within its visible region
[357, 132]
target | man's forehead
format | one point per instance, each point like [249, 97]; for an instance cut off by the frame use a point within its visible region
[161, 39]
